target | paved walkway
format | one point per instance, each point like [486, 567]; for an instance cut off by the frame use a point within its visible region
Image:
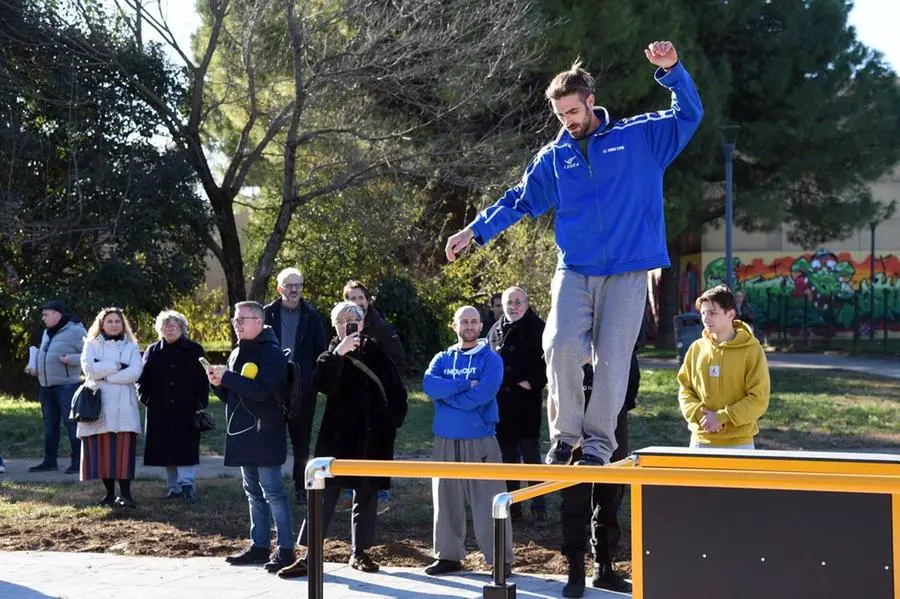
[880, 367]
[36, 575]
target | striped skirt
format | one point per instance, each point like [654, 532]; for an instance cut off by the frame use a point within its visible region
[108, 455]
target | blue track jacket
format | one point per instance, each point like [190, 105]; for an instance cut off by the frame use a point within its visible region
[609, 210]
[461, 411]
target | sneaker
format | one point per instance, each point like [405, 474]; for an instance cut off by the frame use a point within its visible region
[72, 470]
[172, 495]
[363, 563]
[384, 496]
[560, 453]
[251, 555]
[189, 494]
[44, 467]
[606, 577]
[296, 570]
[125, 502]
[589, 459]
[107, 501]
[443, 566]
[282, 558]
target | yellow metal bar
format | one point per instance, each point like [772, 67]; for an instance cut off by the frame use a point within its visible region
[637, 542]
[533, 491]
[677, 477]
[526, 493]
[895, 530]
[762, 464]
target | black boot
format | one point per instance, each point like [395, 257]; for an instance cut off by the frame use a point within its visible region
[606, 577]
[575, 586]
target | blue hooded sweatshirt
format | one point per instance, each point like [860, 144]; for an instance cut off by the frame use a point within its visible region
[609, 209]
[460, 410]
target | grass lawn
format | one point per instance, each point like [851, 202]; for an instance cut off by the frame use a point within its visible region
[809, 410]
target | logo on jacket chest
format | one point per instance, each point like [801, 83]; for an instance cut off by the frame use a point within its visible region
[571, 163]
[613, 149]
[714, 370]
[454, 372]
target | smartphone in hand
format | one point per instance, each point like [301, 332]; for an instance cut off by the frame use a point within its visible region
[352, 328]
[205, 363]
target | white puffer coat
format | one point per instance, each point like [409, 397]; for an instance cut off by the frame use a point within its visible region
[100, 361]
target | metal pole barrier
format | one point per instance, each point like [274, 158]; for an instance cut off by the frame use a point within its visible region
[317, 470]
[500, 512]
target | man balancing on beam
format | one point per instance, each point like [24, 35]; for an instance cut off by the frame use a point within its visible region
[604, 178]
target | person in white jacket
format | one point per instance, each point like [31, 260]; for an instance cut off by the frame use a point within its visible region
[111, 361]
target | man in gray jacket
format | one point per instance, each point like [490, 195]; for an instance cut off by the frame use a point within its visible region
[59, 373]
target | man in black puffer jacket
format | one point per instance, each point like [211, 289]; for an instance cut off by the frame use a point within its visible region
[517, 338]
[255, 439]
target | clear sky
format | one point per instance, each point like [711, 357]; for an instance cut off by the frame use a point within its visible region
[876, 23]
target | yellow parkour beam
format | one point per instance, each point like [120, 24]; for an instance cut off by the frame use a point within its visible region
[674, 477]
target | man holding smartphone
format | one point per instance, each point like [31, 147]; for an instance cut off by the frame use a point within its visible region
[301, 331]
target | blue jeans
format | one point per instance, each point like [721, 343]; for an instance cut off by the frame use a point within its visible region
[179, 476]
[268, 501]
[56, 402]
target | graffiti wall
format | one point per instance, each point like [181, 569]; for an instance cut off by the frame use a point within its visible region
[822, 292]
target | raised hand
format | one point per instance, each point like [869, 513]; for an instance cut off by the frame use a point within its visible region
[457, 242]
[662, 54]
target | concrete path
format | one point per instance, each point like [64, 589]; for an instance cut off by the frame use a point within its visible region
[880, 367]
[37, 575]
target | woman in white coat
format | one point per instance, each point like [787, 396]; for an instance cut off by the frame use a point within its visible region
[111, 361]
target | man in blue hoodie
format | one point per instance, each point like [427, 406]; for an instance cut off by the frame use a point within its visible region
[463, 382]
[604, 179]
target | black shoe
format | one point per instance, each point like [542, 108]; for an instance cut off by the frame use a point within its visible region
[125, 502]
[251, 555]
[589, 459]
[606, 577]
[44, 467]
[189, 494]
[560, 453]
[575, 585]
[171, 495]
[296, 570]
[443, 566]
[73, 470]
[363, 563]
[282, 558]
[107, 501]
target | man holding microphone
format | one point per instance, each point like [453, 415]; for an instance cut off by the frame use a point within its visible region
[250, 385]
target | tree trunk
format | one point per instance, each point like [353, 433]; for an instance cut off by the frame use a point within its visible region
[231, 259]
[668, 297]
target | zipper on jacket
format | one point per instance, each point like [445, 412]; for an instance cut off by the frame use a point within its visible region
[597, 205]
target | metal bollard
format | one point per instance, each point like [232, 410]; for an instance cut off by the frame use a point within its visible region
[500, 589]
[317, 470]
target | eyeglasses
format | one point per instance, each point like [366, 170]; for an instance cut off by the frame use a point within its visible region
[242, 319]
[515, 303]
[171, 325]
[293, 285]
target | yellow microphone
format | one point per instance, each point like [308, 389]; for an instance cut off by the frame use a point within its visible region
[250, 370]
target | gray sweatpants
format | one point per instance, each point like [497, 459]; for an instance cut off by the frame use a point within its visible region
[451, 495]
[593, 319]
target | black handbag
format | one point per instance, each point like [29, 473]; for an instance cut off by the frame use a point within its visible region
[85, 404]
[203, 421]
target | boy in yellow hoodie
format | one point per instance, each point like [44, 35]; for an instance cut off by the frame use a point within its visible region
[724, 381]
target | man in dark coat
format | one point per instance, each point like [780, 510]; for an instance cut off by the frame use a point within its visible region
[517, 338]
[376, 326]
[301, 331]
[251, 386]
[598, 503]
[366, 405]
[173, 386]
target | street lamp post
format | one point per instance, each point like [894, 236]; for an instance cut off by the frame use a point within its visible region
[729, 141]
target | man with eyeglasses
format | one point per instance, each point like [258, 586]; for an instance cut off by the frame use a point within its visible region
[250, 385]
[301, 330]
[517, 338]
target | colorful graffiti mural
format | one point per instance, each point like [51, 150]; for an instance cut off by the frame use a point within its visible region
[823, 292]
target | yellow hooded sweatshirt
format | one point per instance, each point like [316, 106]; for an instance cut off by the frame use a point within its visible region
[730, 379]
